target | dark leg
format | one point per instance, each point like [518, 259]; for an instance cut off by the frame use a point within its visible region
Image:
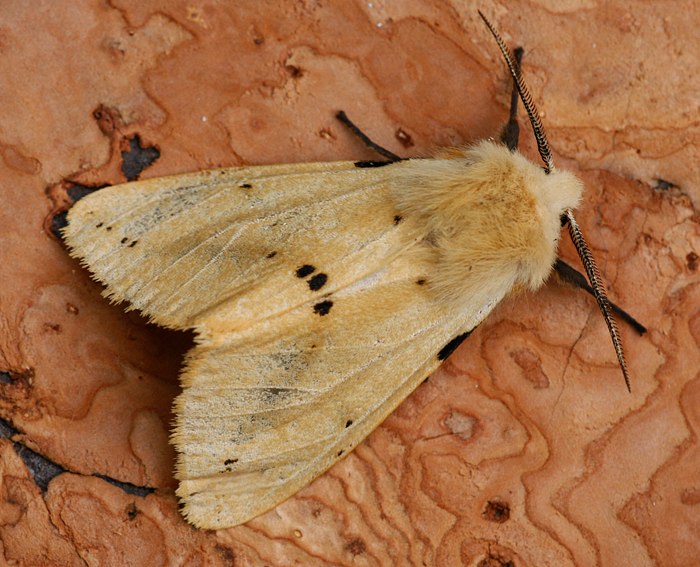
[574, 277]
[391, 156]
[511, 131]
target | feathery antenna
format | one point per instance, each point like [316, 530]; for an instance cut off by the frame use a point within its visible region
[598, 290]
[537, 128]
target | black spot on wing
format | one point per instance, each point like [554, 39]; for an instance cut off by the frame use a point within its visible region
[397, 219]
[245, 186]
[421, 281]
[323, 307]
[372, 163]
[305, 270]
[271, 254]
[450, 347]
[348, 423]
[318, 281]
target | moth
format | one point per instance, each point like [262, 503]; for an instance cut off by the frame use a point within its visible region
[322, 294]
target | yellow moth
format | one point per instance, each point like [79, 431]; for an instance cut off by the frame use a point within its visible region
[322, 294]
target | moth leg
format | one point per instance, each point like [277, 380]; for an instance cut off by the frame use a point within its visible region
[391, 156]
[571, 275]
[511, 131]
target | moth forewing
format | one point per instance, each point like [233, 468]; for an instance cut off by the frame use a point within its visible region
[234, 232]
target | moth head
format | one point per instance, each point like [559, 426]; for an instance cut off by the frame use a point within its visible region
[564, 201]
[559, 191]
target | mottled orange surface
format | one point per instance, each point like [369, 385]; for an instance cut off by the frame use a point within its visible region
[525, 446]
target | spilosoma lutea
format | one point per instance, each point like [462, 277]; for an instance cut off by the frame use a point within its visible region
[321, 294]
